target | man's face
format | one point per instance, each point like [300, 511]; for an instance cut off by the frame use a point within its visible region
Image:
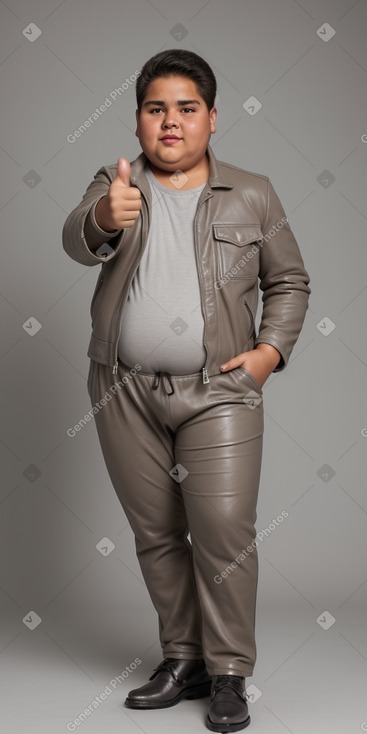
[173, 107]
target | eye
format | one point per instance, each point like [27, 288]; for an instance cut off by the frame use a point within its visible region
[155, 109]
[188, 109]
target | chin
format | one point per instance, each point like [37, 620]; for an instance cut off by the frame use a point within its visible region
[166, 165]
[169, 164]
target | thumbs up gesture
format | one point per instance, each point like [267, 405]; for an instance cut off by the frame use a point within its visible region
[120, 207]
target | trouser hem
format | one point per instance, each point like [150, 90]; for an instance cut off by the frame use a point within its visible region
[183, 655]
[232, 671]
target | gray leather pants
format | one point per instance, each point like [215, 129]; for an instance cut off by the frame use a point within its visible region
[184, 456]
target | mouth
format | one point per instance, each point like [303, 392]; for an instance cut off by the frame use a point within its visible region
[170, 139]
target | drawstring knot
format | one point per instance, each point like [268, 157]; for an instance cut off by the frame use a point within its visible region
[165, 377]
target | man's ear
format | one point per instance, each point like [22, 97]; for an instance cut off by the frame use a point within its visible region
[213, 117]
[137, 117]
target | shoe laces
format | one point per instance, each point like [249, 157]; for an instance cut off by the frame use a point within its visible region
[166, 664]
[234, 681]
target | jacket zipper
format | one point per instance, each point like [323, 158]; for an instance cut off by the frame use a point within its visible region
[115, 366]
[204, 369]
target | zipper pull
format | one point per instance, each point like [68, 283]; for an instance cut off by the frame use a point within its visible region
[114, 371]
[205, 376]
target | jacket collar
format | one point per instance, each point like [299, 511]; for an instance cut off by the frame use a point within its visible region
[216, 179]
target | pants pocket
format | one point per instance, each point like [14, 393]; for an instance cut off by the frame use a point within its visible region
[241, 373]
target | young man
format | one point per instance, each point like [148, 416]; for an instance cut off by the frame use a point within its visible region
[184, 240]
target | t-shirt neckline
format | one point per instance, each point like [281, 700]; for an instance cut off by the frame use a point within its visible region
[154, 181]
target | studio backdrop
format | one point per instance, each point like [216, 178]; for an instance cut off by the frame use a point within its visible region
[291, 105]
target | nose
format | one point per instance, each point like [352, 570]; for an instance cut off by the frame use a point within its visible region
[170, 120]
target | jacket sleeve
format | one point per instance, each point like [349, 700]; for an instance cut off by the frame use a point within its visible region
[82, 238]
[283, 280]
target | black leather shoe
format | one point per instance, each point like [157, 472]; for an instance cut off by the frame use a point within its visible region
[173, 679]
[228, 708]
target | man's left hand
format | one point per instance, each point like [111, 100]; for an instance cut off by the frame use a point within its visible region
[260, 362]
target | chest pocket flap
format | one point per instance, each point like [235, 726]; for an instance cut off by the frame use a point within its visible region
[237, 234]
[235, 260]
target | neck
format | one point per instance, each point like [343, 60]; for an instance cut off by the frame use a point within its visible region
[195, 176]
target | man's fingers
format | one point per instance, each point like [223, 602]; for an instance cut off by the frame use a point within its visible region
[130, 208]
[131, 194]
[128, 223]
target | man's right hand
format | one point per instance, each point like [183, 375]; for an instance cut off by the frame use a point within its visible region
[120, 207]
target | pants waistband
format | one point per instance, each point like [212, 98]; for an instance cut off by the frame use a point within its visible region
[162, 377]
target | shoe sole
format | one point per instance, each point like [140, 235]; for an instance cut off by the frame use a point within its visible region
[190, 693]
[227, 727]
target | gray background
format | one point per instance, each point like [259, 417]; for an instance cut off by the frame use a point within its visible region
[57, 502]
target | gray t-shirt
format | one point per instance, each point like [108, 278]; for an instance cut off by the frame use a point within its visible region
[162, 325]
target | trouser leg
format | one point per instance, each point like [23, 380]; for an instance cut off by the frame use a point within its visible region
[138, 452]
[221, 450]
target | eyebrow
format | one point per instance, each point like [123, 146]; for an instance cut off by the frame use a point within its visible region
[180, 102]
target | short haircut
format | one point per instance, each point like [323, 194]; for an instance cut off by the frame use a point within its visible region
[178, 62]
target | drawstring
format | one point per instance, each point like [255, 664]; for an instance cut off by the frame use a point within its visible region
[156, 381]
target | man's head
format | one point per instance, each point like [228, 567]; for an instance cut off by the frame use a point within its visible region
[175, 96]
[178, 62]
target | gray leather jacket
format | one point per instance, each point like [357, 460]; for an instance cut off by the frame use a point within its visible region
[242, 241]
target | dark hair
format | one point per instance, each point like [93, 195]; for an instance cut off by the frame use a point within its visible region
[178, 62]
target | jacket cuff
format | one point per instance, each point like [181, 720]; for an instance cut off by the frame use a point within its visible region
[283, 357]
[92, 232]
[101, 245]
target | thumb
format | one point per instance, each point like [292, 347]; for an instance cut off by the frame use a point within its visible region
[124, 171]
